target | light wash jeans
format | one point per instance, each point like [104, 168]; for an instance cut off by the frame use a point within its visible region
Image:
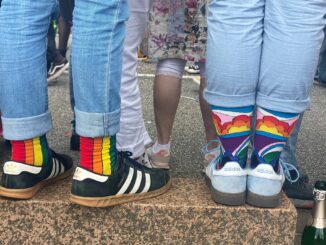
[288, 154]
[132, 135]
[96, 65]
[263, 52]
[322, 62]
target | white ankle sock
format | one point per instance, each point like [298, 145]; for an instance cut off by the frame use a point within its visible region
[158, 147]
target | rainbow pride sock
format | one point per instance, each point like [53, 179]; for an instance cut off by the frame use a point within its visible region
[98, 154]
[233, 127]
[272, 131]
[33, 151]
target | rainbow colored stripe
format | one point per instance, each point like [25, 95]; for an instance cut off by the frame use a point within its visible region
[272, 131]
[279, 125]
[232, 122]
[98, 154]
[233, 126]
[33, 151]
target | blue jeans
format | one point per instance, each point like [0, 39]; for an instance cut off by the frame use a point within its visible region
[263, 52]
[96, 66]
[288, 154]
[322, 62]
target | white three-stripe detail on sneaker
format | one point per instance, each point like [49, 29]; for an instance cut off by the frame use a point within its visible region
[53, 169]
[62, 168]
[137, 183]
[56, 167]
[147, 183]
[127, 182]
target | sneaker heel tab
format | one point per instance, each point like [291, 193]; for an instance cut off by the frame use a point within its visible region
[16, 168]
[82, 174]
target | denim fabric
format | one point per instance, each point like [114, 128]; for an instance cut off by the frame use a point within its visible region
[322, 64]
[96, 57]
[97, 43]
[132, 135]
[263, 52]
[23, 87]
[288, 154]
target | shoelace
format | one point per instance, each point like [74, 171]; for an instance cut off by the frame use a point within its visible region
[205, 149]
[127, 156]
[287, 167]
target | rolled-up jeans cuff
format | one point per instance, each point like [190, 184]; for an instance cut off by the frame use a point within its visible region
[26, 127]
[283, 105]
[218, 99]
[90, 124]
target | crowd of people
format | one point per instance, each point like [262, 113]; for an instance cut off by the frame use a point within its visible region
[257, 60]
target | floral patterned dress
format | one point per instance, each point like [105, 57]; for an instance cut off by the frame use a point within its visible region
[177, 29]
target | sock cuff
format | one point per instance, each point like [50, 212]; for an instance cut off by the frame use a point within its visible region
[158, 147]
[245, 109]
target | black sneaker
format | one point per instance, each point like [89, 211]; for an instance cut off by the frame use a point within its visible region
[57, 69]
[23, 181]
[299, 192]
[130, 181]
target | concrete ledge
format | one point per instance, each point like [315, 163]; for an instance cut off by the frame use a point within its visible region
[184, 215]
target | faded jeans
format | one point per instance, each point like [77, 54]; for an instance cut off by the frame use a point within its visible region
[132, 135]
[96, 66]
[263, 52]
[288, 154]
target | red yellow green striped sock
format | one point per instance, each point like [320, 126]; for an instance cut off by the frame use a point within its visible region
[98, 154]
[33, 151]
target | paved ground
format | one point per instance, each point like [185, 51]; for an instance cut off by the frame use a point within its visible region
[188, 131]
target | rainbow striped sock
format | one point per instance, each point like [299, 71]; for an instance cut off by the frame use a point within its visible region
[272, 131]
[98, 154]
[233, 127]
[33, 151]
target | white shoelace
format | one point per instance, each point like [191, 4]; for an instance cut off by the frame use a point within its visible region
[287, 167]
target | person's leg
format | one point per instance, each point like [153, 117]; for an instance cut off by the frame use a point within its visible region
[64, 32]
[104, 176]
[51, 50]
[288, 155]
[299, 192]
[24, 101]
[289, 60]
[133, 135]
[166, 94]
[322, 64]
[235, 28]
[211, 149]
[56, 63]
[65, 23]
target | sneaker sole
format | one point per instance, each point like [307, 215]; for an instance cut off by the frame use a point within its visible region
[160, 162]
[263, 201]
[32, 191]
[302, 204]
[229, 199]
[100, 202]
[161, 165]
